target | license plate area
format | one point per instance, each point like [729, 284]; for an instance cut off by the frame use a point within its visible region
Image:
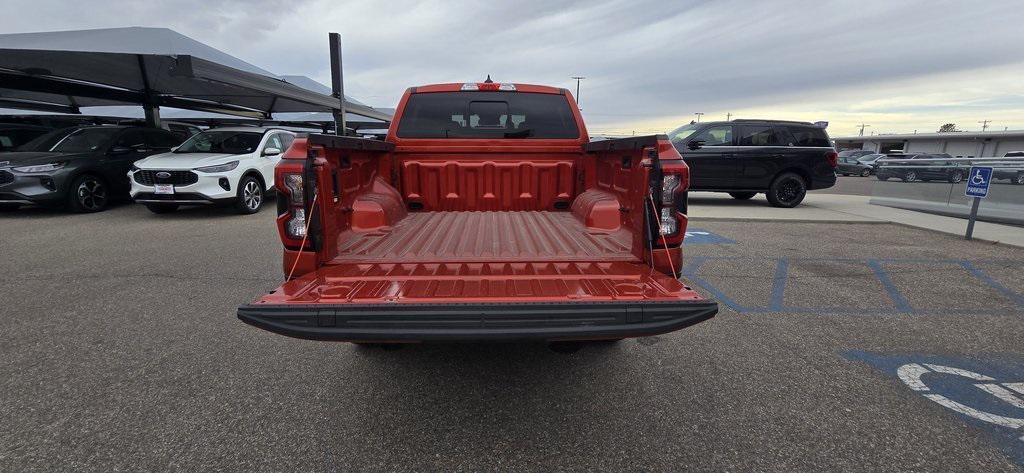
[164, 189]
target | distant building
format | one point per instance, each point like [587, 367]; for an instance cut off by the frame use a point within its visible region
[959, 144]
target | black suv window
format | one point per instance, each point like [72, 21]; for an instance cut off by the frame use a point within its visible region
[132, 139]
[717, 135]
[12, 138]
[162, 139]
[785, 137]
[809, 136]
[757, 135]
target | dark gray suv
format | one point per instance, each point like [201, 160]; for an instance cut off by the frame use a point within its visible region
[80, 168]
[782, 159]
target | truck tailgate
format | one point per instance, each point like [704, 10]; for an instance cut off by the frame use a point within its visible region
[475, 301]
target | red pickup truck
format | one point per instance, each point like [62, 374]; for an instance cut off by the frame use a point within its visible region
[486, 214]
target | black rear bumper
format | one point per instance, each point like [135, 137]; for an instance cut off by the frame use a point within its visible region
[476, 322]
[822, 181]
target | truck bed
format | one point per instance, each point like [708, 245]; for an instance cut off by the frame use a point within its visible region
[523, 236]
[465, 239]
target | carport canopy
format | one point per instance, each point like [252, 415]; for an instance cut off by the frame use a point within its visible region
[153, 67]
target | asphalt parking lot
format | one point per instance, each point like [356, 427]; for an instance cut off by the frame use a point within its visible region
[850, 185]
[122, 351]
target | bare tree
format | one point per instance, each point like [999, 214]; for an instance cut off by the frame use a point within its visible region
[948, 128]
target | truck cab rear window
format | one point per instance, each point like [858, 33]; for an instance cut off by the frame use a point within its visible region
[487, 115]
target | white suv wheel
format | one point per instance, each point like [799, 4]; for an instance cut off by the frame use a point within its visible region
[250, 195]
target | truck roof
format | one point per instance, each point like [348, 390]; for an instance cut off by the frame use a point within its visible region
[457, 87]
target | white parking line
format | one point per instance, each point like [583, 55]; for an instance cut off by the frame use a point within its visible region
[1011, 422]
[959, 372]
[910, 374]
[1003, 394]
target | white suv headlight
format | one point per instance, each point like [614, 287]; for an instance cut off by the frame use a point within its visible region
[219, 167]
[39, 168]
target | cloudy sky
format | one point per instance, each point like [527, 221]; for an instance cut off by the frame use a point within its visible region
[899, 66]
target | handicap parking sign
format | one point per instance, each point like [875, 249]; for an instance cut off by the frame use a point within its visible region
[978, 181]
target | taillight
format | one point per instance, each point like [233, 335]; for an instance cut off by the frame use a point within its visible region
[669, 184]
[295, 225]
[672, 214]
[833, 158]
[669, 222]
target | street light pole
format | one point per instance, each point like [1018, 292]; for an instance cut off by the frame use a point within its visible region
[698, 115]
[578, 79]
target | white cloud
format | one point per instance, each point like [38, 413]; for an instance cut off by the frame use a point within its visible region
[649, 65]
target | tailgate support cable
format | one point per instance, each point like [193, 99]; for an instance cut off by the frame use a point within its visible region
[650, 241]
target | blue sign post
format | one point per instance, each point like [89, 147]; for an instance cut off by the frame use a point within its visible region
[978, 181]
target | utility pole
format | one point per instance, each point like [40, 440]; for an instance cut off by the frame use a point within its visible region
[984, 124]
[578, 79]
[698, 116]
[862, 127]
[728, 117]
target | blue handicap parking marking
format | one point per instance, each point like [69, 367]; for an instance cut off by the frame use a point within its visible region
[978, 181]
[900, 302]
[699, 236]
[987, 393]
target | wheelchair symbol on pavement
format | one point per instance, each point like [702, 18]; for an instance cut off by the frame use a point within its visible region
[911, 374]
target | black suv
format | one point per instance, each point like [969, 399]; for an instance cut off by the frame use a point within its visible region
[782, 159]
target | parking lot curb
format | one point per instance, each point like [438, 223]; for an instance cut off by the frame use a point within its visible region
[787, 220]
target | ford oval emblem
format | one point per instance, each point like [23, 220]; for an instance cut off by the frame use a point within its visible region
[163, 175]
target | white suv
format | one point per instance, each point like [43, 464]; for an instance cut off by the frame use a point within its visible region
[222, 165]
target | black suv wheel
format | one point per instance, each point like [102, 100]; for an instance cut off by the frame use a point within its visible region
[88, 194]
[956, 177]
[787, 190]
